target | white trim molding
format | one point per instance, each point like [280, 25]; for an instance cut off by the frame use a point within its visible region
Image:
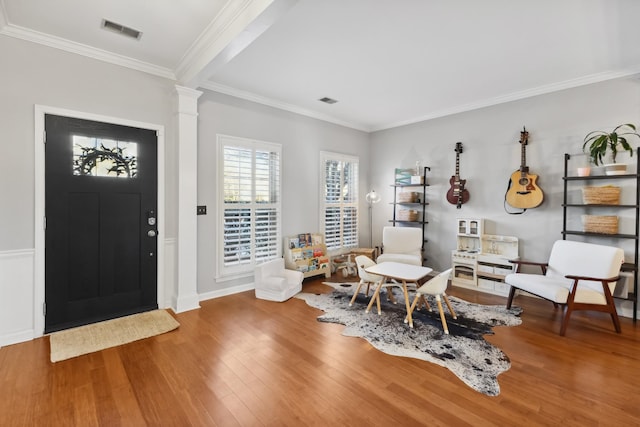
[186, 291]
[16, 296]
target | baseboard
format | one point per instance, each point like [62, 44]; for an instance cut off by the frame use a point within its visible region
[16, 337]
[227, 291]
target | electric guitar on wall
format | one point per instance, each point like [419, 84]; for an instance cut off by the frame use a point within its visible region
[457, 194]
[523, 192]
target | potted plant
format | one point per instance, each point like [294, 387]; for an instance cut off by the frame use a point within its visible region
[600, 142]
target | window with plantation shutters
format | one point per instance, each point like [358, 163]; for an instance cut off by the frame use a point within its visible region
[249, 188]
[339, 200]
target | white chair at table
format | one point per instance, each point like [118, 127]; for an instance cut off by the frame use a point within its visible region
[435, 287]
[401, 244]
[369, 279]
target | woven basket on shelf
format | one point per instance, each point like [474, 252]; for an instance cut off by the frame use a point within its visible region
[604, 224]
[605, 195]
[407, 215]
[408, 197]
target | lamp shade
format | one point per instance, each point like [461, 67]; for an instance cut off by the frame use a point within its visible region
[372, 197]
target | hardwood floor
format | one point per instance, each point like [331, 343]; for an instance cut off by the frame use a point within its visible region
[239, 361]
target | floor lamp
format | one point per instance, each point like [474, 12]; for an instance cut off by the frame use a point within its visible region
[372, 197]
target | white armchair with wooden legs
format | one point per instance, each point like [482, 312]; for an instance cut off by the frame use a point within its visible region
[435, 287]
[578, 276]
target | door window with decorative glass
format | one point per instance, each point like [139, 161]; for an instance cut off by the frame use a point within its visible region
[249, 195]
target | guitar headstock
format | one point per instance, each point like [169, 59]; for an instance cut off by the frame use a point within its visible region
[459, 147]
[524, 136]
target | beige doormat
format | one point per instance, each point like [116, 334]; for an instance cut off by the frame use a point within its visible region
[110, 333]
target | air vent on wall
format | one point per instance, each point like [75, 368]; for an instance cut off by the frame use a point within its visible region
[121, 29]
[328, 100]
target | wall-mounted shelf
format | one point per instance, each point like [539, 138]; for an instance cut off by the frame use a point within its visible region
[568, 209]
[401, 206]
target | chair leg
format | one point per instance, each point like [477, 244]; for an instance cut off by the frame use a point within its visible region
[616, 321]
[612, 310]
[413, 305]
[425, 302]
[565, 320]
[453, 313]
[375, 297]
[390, 296]
[512, 293]
[442, 318]
[355, 294]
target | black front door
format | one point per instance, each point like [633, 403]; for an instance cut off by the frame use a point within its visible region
[100, 236]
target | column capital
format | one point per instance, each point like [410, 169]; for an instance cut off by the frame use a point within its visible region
[187, 100]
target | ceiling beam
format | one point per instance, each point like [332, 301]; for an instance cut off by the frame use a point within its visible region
[236, 27]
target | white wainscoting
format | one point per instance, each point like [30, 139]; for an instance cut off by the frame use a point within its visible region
[16, 296]
[18, 318]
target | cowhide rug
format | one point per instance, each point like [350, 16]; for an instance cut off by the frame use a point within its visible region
[464, 351]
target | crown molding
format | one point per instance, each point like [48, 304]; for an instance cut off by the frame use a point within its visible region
[516, 96]
[84, 50]
[215, 87]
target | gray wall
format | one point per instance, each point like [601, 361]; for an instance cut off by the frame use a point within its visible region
[34, 74]
[557, 123]
[302, 140]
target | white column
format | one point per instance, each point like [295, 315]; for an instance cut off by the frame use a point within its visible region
[186, 289]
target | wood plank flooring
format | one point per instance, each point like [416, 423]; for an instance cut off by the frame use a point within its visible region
[239, 361]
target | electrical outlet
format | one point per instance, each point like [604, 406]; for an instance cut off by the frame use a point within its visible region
[201, 210]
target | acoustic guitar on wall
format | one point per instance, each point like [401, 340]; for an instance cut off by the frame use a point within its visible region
[523, 192]
[457, 194]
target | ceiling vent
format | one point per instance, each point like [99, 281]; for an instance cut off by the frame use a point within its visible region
[327, 100]
[121, 29]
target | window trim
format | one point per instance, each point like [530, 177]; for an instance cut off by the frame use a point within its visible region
[355, 204]
[222, 141]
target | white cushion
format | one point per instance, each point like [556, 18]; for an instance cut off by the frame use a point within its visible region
[414, 259]
[275, 283]
[573, 258]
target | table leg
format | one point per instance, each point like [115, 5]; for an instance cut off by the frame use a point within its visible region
[407, 304]
[375, 297]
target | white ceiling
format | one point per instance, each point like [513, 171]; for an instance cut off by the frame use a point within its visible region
[387, 62]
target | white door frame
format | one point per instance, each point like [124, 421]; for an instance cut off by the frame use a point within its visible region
[39, 234]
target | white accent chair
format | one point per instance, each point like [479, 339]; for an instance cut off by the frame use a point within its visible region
[401, 244]
[436, 287]
[275, 283]
[578, 276]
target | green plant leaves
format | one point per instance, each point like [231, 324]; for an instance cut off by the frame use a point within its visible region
[600, 141]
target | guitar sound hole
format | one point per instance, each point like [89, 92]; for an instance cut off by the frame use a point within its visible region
[523, 181]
